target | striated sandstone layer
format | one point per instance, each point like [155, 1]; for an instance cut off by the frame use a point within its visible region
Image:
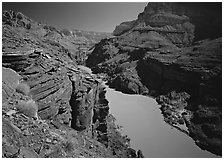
[73, 115]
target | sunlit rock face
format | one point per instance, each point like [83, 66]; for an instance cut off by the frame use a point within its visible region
[71, 106]
[76, 44]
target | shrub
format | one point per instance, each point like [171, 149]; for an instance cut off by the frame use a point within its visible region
[69, 146]
[23, 88]
[56, 152]
[19, 15]
[28, 26]
[28, 108]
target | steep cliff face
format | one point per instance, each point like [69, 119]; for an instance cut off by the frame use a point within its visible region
[172, 25]
[206, 17]
[157, 56]
[72, 112]
[176, 19]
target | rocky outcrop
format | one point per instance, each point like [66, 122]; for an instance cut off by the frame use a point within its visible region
[72, 111]
[181, 23]
[123, 27]
[75, 43]
[53, 137]
[205, 16]
[176, 28]
[173, 109]
[16, 19]
[153, 58]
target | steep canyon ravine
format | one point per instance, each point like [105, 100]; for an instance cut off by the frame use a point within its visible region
[143, 122]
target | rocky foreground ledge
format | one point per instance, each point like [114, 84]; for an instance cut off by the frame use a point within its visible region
[166, 53]
[51, 107]
[73, 117]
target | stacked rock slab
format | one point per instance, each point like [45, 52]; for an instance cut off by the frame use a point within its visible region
[72, 110]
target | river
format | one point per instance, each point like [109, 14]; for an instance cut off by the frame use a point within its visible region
[143, 122]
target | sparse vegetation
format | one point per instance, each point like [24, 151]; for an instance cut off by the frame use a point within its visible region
[29, 108]
[23, 88]
[68, 146]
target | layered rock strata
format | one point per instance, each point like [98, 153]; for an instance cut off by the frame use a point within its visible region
[152, 58]
[76, 44]
[72, 112]
[177, 18]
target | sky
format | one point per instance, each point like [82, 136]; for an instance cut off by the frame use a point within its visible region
[89, 16]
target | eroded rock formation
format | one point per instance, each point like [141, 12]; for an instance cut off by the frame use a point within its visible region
[72, 117]
[76, 44]
[158, 54]
[177, 18]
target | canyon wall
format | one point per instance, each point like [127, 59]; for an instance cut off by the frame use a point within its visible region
[159, 55]
[205, 17]
[59, 108]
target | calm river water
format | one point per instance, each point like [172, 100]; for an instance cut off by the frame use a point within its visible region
[143, 122]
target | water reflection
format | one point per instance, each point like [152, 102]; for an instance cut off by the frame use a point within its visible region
[143, 123]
